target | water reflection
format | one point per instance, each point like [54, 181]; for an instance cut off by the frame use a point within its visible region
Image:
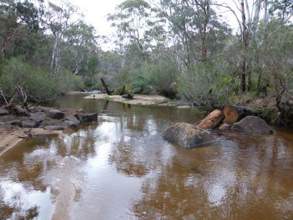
[123, 169]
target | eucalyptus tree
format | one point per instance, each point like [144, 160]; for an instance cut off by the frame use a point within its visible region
[194, 23]
[58, 20]
[80, 48]
[19, 27]
[138, 27]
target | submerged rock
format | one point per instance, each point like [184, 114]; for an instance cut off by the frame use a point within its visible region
[253, 125]
[87, 117]
[187, 136]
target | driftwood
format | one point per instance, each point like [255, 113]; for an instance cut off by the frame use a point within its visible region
[224, 117]
[11, 105]
[127, 96]
[108, 91]
[3, 97]
[236, 113]
[212, 120]
[21, 92]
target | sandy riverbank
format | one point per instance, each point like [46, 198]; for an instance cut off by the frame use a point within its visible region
[143, 100]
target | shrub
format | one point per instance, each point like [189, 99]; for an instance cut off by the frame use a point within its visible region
[39, 84]
[149, 77]
[207, 84]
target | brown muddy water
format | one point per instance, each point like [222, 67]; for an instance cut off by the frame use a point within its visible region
[121, 168]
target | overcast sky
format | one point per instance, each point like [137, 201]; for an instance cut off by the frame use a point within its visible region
[96, 11]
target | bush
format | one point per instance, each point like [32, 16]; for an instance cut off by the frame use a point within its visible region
[150, 77]
[207, 84]
[39, 84]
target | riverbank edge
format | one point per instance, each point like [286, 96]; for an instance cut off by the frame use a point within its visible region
[140, 100]
[11, 138]
[264, 108]
[18, 123]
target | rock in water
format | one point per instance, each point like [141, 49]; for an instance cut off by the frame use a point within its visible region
[72, 121]
[187, 136]
[213, 120]
[253, 125]
[87, 117]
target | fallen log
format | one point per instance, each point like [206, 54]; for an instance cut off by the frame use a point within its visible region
[212, 120]
[233, 114]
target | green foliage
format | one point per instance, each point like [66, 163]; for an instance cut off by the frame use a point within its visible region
[165, 48]
[152, 76]
[38, 83]
[207, 83]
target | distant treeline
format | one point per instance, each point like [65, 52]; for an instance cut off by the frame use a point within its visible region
[182, 49]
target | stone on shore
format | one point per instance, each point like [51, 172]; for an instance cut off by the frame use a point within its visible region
[38, 116]
[3, 111]
[55, 114]
[29, 124]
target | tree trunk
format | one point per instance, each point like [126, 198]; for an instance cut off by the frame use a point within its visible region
[106, 87]
[245, 47]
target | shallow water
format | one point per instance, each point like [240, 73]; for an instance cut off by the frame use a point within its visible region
[121, 168]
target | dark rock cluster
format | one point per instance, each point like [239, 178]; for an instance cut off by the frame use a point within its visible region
[43, 117]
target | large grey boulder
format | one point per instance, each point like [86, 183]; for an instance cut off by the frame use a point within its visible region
[253, 125]
[187, 136]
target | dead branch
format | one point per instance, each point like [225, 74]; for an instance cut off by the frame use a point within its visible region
[3, 97]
